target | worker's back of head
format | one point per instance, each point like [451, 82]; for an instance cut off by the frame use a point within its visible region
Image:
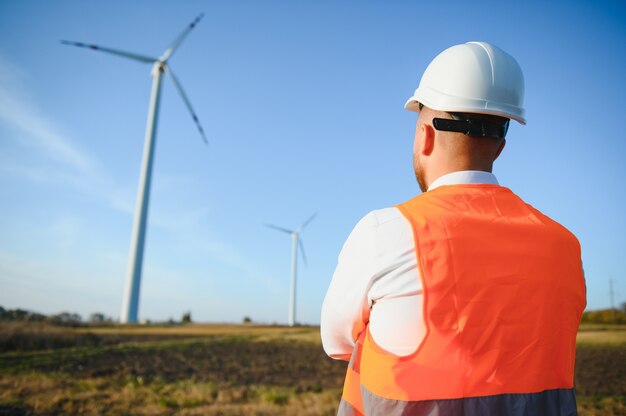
[466, 98]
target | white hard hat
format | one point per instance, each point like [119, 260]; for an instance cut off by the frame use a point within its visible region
[475, 77]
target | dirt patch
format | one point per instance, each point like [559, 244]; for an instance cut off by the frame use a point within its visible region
[600, 371]
[235, 361]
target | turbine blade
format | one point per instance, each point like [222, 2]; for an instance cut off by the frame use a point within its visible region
[302, 251]
[307, 222]
[174, 45]
[277, 228]
[179, 87]
[130, 55]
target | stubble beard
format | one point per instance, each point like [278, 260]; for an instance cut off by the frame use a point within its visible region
[419, 174]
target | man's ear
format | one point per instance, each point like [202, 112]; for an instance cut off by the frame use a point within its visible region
[428, 144]
[500, 148]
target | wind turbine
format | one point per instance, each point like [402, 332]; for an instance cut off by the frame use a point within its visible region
[130, 302]
[295, 243]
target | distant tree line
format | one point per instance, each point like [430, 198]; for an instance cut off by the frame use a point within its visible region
[72, 319]
[606, 316]
[63, 318]
[602, 316]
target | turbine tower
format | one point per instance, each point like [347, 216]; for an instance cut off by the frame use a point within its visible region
[130, 302]
[295, 243]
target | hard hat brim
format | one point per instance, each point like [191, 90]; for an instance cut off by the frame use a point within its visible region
[412, 104]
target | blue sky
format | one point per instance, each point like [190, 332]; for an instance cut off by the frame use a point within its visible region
[302, 105]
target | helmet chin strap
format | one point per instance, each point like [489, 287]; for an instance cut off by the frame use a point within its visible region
[473, 127]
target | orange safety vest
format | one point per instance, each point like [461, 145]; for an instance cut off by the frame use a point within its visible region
[503, 294]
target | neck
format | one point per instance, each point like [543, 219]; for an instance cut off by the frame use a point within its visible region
[443, 169]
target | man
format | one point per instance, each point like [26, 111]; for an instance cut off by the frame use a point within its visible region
[464, 300]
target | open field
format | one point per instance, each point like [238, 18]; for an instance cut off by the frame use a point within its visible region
[600, 370]
[221, 370]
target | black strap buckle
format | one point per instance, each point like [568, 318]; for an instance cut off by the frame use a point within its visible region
[472, 127]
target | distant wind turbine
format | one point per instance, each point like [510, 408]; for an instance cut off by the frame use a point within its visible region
[130, 302]
[295, 243]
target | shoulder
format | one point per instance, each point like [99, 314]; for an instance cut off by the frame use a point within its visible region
[561, 233]
[379, 230]
[565, 233]
[381, 219]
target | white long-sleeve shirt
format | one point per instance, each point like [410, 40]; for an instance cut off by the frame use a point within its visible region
[377, 281]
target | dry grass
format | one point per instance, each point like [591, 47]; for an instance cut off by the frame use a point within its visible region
[193, 329]
[601, 335]
[602, 405]
[59, 394]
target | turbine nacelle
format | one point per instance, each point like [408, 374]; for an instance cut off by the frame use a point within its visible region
[295, 233]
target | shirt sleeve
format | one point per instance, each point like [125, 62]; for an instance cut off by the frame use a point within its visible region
[346, 307]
